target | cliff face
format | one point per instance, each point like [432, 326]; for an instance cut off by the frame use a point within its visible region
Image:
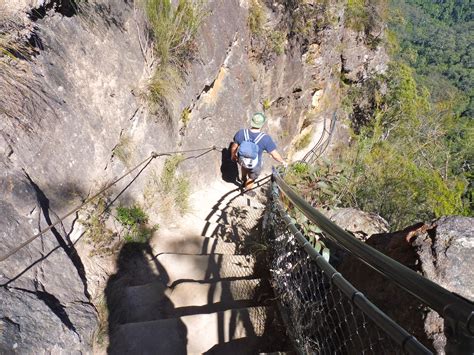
[77, 96]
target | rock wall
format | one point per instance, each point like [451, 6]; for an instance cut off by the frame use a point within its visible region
[77, 97]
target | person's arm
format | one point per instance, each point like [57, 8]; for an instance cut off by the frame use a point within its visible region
[275, 155]
[233, 151]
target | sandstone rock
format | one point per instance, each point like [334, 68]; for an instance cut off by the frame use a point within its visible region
[360, 224]
[441, 251]
[358, 60]
[445, 252]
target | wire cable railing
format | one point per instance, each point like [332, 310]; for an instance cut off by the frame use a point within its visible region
[457, 312]
[144, 162]
[323, 141]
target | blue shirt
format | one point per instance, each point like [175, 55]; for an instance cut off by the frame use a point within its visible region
[265, 144]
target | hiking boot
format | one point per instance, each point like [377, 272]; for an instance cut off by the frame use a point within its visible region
[248, 184]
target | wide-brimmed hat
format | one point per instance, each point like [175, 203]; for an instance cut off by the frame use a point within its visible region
[258, 120]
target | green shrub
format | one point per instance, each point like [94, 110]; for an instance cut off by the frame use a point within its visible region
[102, 238]
[168, 174]
[276, 41]
[266, 104]
[181, 194]
[186, 116]
[356, 15]
[135, 220]
[176, 187]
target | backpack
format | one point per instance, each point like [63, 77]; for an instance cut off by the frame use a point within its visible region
[248, 150]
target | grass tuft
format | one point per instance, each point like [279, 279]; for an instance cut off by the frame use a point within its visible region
[123, 150]
[304, 140]
[173, 28]
[256, 17]
[168, 190]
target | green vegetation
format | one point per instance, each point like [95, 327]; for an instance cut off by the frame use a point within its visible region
[186, 116]
[266, 104]
[276, 41]
[436, 40]
[322, 185]
[304, 140]
[101, 333]
[169, 189]
[256, 17]
[177, 187]
[411, 153]
[406, 164]
[97, 233]
[174, 29]
[135, 220]
[123, 150]
[270, 40]
[356, 15]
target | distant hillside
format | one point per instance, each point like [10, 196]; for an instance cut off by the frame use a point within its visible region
[435, 39]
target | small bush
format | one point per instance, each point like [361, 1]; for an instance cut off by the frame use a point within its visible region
[135, 220]
[186, 116]
[276, 41]
[266, 104]
[182, 192]
[169, 172]
[97, 233]
[356, 15]
[177, 187]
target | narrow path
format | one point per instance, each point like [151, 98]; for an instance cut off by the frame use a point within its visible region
[201, 285]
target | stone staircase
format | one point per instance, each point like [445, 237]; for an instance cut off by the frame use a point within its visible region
[198, 288]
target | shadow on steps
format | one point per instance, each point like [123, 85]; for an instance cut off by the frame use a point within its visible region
[134, 268]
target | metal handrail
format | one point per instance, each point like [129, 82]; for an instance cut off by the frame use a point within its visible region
[457, 310]
[399, 335]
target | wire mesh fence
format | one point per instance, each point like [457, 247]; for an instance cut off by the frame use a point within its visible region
[320, 318]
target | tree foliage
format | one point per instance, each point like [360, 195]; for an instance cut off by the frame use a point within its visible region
[436, 39]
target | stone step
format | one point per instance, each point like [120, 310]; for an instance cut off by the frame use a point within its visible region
[174, 242]
[193, 334]
[155, 300]
[173, 269]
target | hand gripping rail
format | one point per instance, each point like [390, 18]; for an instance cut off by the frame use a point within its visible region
[457, 312]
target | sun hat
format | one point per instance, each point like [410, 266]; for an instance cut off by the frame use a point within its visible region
[258, 120]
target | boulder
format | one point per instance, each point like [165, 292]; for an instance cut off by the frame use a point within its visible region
[445, 253]
[361, 224]
[441, 251]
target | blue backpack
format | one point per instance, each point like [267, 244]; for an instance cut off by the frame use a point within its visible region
[248, 150]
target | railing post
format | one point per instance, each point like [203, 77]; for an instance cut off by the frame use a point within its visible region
[458, 338]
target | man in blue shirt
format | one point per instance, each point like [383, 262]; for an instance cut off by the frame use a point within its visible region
[263, 141]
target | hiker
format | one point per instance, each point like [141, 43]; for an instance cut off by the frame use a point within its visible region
[248, 148]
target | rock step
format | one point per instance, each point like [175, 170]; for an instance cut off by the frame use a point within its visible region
[194, 334]
[173, 269]
[157, 301]
[169, 242]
